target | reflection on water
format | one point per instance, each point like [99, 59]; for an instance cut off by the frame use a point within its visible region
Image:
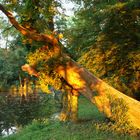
[16, 111]
[9, 131]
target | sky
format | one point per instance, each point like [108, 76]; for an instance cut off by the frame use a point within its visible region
[68, 7]
[2, 41]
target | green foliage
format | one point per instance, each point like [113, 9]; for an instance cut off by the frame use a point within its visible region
[120, 114]
[34, 14]
[119, 110]
[10, 64]
[46, 60]
[86, 25]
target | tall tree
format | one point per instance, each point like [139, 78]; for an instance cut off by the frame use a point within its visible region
[10, 63]
[56, 63]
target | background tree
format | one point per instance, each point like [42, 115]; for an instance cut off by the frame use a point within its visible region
[10, 63]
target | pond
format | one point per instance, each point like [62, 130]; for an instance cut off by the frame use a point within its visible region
[7, 132]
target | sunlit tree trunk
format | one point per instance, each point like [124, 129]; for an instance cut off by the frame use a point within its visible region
[65, 112]
[24, 86]
[74, 107]
[34, 89]
[70, 106]
[27, 87]
[97, 91]
[21, 88]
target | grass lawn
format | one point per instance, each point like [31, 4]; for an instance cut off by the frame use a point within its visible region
[85, 129]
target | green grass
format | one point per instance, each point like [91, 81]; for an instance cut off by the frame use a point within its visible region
[87, 111]
[85, 129]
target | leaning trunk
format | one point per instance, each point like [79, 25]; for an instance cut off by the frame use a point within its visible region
[70, 106]
[98, 92]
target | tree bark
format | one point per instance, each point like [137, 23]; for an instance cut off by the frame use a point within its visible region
[70, 106]
[74, 106]
[66, 109]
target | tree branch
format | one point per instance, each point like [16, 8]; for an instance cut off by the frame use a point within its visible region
[26, 32]
[31, 71]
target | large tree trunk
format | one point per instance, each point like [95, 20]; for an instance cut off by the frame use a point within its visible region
[81, 80]
[70, 105]
[97, 91]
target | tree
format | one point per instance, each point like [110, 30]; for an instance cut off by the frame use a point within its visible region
[53, 61]
[106, 36]
[10, 63]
